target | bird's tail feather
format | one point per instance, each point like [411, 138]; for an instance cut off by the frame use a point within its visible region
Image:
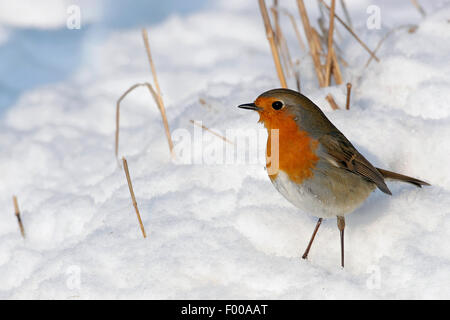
[397, 176]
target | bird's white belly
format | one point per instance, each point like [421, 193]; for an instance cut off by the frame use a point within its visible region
[317, 196]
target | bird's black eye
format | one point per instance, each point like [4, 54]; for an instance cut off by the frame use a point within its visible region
[277, 105]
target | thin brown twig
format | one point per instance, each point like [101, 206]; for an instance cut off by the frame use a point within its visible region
[297, 76]
[133, 198]
[346, 14]
[294, 26]
[419, 7]
[285, 48]
[276, 22]
[349, 90]
[331, 101]
[160, 101]
[336, 49]
[335, 69]
[342, 60]
[204, 103]
[154, 95]
[318, 49]
[211, 131]
[312, 46]
[271, 39]
[330, 44]
[353, 33]
[385, 37]
[282, 46]
[19, 219]
[150, 60]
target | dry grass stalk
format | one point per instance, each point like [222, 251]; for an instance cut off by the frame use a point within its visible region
[294, 26]
[349, 90]
[352, 33]
[150, 60]
[317, 40]
[336, 50]
[211, 131]
[160, 101]
[133, 198]
[19, 220]
[408, 26]
[335, 69]
[346, 14]
[276, 22]
[332, 103]
[311, 41]
[284, 49]
[287, 60]
[330, 44]
[272, 43]
[297, 76]
[419, 7]
[204, 103]
[318, 48]
[155, 97]
[342, 60]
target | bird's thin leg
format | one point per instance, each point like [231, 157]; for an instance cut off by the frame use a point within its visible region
[341, 226]
[305, 255]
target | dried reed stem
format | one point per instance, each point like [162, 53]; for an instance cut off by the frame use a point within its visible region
[211, 131]
[285, 49]
[155, 97]
[19, 220]
[349, 90]
[331, 101]
[204, 103]
[352, 33]
[409, 26]
[318, 49]
[160, 101]
[150, 60]
[346, 14]
[276, 21]
[336, 49]
[342, 60]
[336, 70]
[294, 26]
[330, 44]
[282, 46]
[297, 76]
[271, 39]
[133, 198]
[312, 46]
[419, 7]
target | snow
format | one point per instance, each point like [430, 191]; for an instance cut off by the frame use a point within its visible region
[215, 230]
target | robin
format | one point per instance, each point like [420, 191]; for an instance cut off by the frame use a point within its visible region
[318, 170]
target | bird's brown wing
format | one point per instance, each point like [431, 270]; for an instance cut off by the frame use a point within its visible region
[340, 152]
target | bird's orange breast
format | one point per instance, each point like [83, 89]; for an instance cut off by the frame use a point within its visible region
[297, 157]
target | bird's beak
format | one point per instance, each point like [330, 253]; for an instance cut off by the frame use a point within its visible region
[249, 106]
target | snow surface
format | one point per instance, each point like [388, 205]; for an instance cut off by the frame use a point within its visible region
[218, 230]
